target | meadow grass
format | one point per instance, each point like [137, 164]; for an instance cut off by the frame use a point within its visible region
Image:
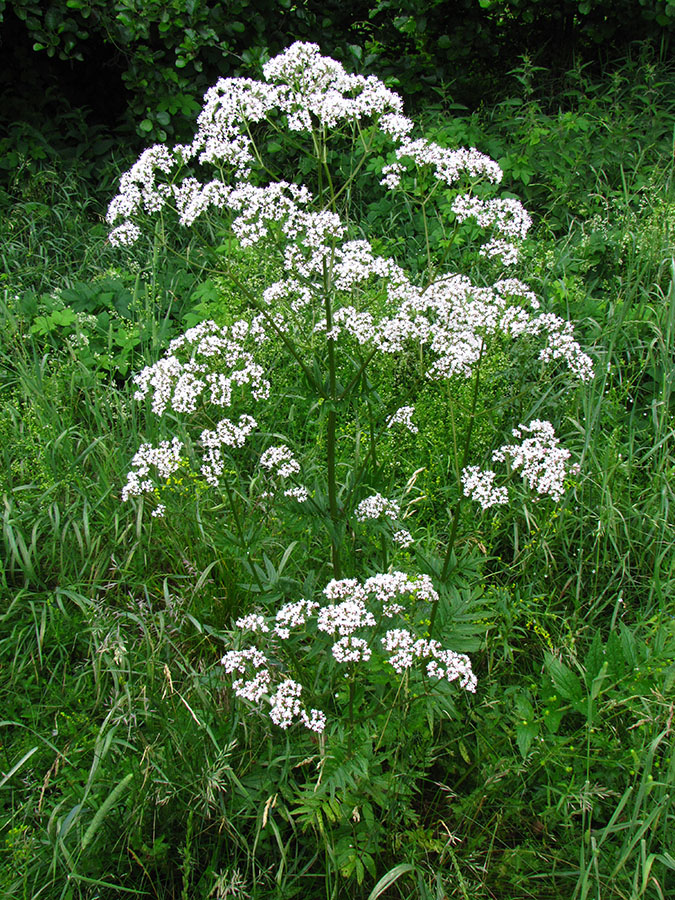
[127, 770]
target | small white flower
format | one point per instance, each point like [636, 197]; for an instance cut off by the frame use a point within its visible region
[252, 622]
[479, 486]
[286, 704]
[315, 721]
[351, 649]
[403, 416]
[403, 538]
[375, 507]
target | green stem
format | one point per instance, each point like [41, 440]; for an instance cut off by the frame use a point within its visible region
[242, 540]
[316, 387]
[355, 380]
[332, 429]
[355, 170]
[460, 499]
[350, 738]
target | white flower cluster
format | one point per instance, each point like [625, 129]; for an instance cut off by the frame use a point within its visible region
[350, 614]
[252, 622]
[350, 649]
[165, 458]
[293, 615]
[508, 216]
[452, 317]
[403, 538]
[389, 587]
[403, 416]
[405, 648]
[479, 485]
[280, 463]
[309, 91]
[352, 607]
[303, 86]
[178, 385]
[284, 702]
[375, 507]
[501, 249]
[540, 457]
[315, 88]
[139, 190]
[281, 460]
[226, 434]
[207, 365]
[448, 165]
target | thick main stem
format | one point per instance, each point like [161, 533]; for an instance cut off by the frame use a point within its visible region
[331, 437]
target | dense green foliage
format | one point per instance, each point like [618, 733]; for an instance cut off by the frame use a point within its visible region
[126, 768]
[156, 58]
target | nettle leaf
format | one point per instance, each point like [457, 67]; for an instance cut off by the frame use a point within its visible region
[63, 317]
[614, 656]
[526, 732]
[628, 645]
[564, 680]
[594, 659]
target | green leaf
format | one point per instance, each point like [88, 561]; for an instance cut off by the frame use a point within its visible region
[594, 659]
[146, 125]
[63, 317]
[107, 804]
[564, 680]
[526, 732]
[17, 766]
[628, 645]
[614, 656]
[389, 878]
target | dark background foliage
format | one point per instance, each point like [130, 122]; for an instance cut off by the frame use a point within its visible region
[142, 65]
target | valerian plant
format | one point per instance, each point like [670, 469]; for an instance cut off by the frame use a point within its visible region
[278, 165]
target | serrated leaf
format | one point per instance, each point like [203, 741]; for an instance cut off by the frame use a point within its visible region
[523, 707]
[552, 720]
[63, 317]
[628, 645]
[594, 659]
[526, 732]
[614, 656]
[564, 680]
[596, 685]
